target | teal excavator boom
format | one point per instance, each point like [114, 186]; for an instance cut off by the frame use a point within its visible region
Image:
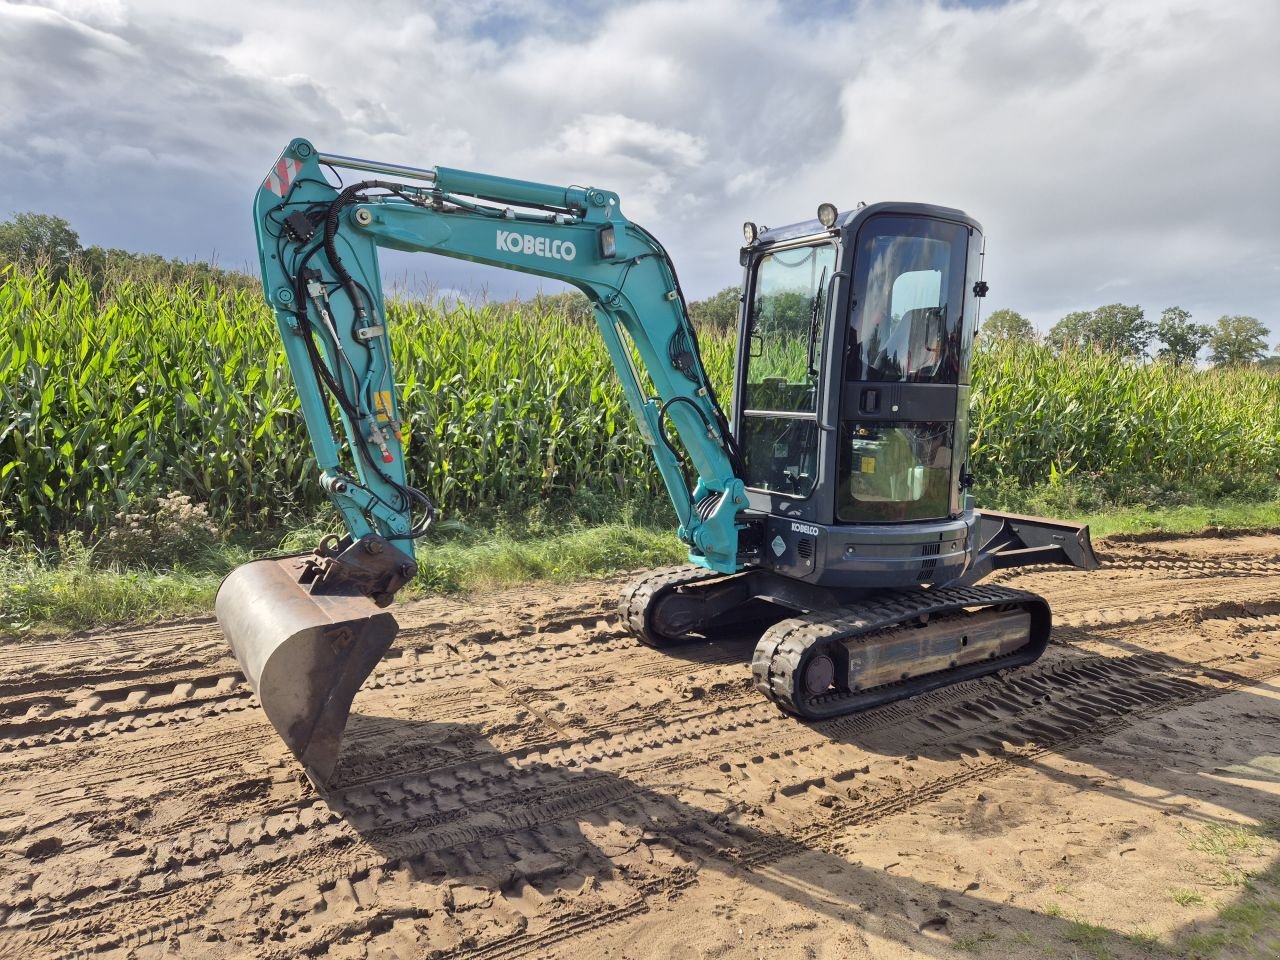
[764, 525]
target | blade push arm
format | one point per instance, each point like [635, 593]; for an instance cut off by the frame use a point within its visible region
[318, 244]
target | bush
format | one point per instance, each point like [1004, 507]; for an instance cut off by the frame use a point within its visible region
[171, 532]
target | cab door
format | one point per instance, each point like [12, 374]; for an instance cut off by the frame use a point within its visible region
[903, 423]
[780, 374]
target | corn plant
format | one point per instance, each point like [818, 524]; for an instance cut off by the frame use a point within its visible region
[153, 385]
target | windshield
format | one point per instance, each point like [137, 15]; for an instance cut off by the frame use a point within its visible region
[787, 309]
[909, 292]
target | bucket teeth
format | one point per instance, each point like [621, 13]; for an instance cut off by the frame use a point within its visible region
[305, 654]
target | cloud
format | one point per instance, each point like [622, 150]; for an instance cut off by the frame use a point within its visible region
[638, 140]
[1111, 150]
[1097, 142]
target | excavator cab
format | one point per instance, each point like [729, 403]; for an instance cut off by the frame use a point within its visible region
[855, 343]
[875, 360]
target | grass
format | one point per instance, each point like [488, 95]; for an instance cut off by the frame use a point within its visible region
[43, 593]
[1226, 516]
[505, 560]
[1184, 897]
[1230, 877]
[1248, 929]
[1222, 840]
[972, 943]
[40, 599]
[1148, 941]
[1092, 939]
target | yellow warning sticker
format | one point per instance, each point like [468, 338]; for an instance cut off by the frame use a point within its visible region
[382, 405]
[868, 464]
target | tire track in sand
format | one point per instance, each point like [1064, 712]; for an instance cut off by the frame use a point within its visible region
[498, 838]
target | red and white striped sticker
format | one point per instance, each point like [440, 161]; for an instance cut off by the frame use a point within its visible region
[279, 179]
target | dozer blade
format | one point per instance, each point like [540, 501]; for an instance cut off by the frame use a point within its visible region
[304, 654]
[1013, 540]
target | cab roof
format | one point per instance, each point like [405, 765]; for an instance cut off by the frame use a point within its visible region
[850, 220]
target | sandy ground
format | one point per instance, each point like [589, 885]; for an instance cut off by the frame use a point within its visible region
[520, 779]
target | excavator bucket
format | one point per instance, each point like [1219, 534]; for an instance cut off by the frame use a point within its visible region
[304, 653]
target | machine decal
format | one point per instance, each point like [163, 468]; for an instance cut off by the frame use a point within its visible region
[513, 242]
[806, 528]
[779, 546]
[281, 176]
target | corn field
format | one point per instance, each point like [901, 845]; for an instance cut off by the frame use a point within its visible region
[109, 400]
[1038, 416]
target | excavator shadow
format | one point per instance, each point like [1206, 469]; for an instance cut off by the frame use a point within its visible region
[484, 851]
[1019, 716]
[1025, 718]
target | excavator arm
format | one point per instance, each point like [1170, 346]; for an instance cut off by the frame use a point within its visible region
[308, 629]
[327, 293]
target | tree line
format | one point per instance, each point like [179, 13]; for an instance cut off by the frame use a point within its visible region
[50, 243]
[1118, 327]
[1125, 329]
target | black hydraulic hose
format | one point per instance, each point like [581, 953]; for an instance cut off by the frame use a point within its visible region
[662, 412]
[317, 362]
[409, 493]
[732, 450]
[344, 199]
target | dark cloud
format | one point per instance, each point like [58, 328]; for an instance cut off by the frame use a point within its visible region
[1114, 151]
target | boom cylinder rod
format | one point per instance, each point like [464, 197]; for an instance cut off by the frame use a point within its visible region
[480, 185]
[374, 166]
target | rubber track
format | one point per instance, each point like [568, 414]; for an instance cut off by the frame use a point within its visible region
[775, 666]
[641, 594]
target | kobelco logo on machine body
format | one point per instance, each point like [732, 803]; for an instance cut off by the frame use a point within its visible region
[512, 242]
[809, 528]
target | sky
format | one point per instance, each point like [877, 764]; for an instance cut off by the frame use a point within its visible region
[1114, 151]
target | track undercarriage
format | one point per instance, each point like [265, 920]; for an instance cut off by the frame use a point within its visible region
[841, 654]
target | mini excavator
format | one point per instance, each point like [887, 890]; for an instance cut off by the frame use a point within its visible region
[827, 513]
